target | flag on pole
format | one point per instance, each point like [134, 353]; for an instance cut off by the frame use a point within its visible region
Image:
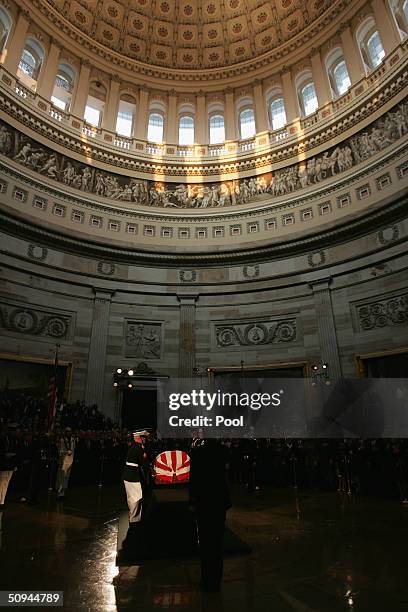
[52, 394]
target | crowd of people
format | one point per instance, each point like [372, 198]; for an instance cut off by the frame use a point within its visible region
[87, 448]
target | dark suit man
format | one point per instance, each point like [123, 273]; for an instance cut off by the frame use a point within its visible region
[209, 497]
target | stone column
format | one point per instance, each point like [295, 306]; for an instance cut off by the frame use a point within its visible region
[187, 346]
[82, 90]
[229, 116]
[289, 96]
[16, 42]
[201, 130]
[46, 80]
[320, 78]
[111, 106]
[385, 26]
[95, 379]
[261, 117]
[142, 119]
[171, 124]
[326, 327]
[352, 55]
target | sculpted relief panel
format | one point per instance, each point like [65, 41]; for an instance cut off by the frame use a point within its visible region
[27, 152]
[143, 340]
[256, 334]
[383, 313]
[34, 322]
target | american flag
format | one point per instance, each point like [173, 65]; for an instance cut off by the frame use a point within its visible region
[52, 394]
[172, 466]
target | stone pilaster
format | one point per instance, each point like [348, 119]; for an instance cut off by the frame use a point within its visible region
[97, 347]
[352, 55]
[82, 90]
[261, 117]
[320, 78]
[201, 130]
[289, 96]
[230, 131]
[329, 350]
[112, 105]
[142, 115]
[46, 80]
[385, 26]
[171, 125]
[16, 42]
[187, 341]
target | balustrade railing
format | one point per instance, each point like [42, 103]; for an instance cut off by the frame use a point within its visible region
[333, 109]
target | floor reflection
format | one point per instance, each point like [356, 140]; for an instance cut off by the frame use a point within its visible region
[310, 552]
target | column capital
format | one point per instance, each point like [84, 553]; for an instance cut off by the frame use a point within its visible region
[172, 93]
[189, 297]
[85, 63]
[284, 70]
[320, 284]
[25, 14]
[343, 27]
[103, 294]
[115, 78]
[229, 90]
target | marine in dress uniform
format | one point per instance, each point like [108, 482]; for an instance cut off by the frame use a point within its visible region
[134, 477]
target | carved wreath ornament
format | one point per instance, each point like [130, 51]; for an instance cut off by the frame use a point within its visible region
[256, 334]
[27, 321]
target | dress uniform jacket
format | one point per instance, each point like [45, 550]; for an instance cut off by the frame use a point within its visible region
[133, 481]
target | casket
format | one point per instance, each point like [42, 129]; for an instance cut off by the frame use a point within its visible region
[172, 467]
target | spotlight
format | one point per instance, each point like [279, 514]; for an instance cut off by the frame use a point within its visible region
[130, 385]
[115, 384]
[324, 366]
[315, 367]
[119, 371]
[130, 372]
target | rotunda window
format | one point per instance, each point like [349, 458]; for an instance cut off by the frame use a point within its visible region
[308, 99]
[278, 114]
[247, 123]
[186, 130]
[217, 129]
[155, 127]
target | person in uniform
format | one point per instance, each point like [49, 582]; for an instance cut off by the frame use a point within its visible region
[209, 499]
[66, 450]
[136, 479]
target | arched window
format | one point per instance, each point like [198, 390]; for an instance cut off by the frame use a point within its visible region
[186, 130]
[375, 49]
[217, 129]
[126, 116]
[155, 127]
[63, 86]
[370, 44]
[31, 61]
[308, 99]
[337, 72]
[247, 127]
[5, 27]
[341, 77]
[95, 103]
[278, 114]
[399, 9]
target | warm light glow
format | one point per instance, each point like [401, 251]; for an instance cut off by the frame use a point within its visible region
[119, 371]
[130, 372]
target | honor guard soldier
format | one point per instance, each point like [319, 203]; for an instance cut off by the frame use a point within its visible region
[136, 477]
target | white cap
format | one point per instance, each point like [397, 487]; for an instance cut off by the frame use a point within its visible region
[141, 432]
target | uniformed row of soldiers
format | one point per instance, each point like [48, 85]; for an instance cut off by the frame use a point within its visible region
[367, 467]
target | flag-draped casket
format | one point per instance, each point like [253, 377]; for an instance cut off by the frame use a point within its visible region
[172, 466]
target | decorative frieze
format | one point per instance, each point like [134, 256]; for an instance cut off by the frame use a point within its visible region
[143, 339]
[256, 334]
[35, 322]
[388, 312]
[47, 162]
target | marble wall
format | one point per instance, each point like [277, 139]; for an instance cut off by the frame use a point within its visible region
[345, 300]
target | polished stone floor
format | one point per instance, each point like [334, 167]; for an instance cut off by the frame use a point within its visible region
[321, 552]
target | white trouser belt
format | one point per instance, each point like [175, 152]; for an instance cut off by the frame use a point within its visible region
[132, 464]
